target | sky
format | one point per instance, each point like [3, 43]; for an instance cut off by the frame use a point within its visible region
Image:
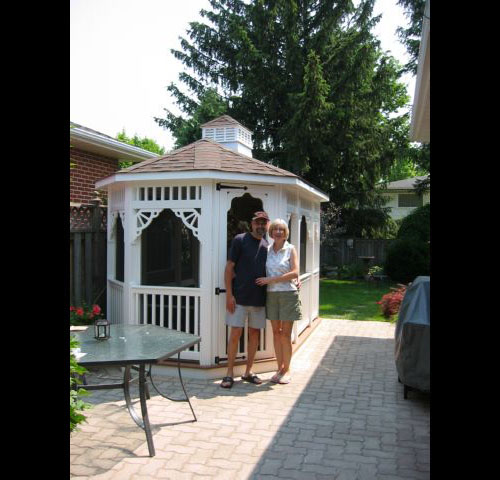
[120, 60]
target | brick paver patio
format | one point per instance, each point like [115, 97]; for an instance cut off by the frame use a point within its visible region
[342, 417]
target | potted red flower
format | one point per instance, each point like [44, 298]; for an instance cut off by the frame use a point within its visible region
[84, 315]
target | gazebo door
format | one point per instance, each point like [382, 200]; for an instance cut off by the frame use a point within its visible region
[236, 205]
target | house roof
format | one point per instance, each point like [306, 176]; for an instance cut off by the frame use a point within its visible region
[97, 142]
[87, 129]
[420, 114]
[223, 121]
[206, 154]
[406, 184]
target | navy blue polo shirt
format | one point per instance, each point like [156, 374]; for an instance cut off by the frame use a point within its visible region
[249, 255]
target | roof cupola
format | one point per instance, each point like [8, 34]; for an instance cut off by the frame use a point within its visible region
[229, 133]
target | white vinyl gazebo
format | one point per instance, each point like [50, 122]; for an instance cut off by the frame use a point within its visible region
[170, 222]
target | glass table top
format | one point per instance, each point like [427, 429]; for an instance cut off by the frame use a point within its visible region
[132, 344]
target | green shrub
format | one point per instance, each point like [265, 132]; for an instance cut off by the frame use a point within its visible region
[417, 225]
[406, 259]
[76, 404]
[376, 270]
[351, 271]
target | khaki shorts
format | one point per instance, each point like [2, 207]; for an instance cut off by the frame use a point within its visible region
[283, 306]
[256, 317]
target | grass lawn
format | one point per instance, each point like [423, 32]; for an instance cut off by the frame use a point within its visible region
[352, 299]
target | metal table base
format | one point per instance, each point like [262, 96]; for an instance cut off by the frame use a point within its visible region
[143, 397]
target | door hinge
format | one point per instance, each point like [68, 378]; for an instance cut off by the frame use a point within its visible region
[219, 186]
[219, 290]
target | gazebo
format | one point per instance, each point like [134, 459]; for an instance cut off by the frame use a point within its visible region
[171, 220]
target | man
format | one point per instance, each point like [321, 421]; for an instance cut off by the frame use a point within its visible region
[244, 298]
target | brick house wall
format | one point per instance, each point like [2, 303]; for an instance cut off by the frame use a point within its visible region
[88, 168]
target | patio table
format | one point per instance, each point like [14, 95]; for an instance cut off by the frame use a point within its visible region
[135, 346]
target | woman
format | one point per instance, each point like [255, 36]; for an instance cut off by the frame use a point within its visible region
[282, 302]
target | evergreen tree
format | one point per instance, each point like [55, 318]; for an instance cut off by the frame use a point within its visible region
[410, 37]
[411, 159]
[185, 131]
[309, 79]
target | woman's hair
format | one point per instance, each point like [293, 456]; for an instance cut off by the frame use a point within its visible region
[279, 222]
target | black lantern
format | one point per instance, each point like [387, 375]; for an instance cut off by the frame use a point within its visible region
[102, 329]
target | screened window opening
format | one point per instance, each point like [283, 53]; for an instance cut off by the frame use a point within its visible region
[169, 253]
[119, 252]
[410, 200]
[239, 216]
[303, 245]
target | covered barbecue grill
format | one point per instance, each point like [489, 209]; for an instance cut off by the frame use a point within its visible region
[412, 337]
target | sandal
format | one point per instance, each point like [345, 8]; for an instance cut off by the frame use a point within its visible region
[252, 379]
[276, 377]
[228, 381]
[284, 379]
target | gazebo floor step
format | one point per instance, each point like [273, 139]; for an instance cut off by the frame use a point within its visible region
[195, 364]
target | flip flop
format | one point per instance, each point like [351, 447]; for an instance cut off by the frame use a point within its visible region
[252, 379]
[229, 380]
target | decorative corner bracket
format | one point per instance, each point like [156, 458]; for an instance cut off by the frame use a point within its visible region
[113, 217]
[189, 217]
[144, 217]
[112, 224]
[310, 227]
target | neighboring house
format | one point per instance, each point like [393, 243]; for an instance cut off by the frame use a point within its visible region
[420, 115]
[402, 197]
[94, 156]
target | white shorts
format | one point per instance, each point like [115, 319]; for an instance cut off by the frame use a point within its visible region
[256, 317]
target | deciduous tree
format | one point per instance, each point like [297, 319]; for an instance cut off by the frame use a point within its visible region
[145, 142]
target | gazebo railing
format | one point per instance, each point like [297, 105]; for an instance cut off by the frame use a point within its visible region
[315, 295]
[305, 300]
[115, 305]
[177, 308]
[309, 299]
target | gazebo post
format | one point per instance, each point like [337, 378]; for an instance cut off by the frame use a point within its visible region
[295, 240]
[206, 282]
[110, 253]
[128, 253]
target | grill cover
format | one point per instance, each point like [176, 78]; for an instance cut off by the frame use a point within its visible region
[412, 336]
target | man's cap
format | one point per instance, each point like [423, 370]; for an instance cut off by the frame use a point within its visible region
[263, 215]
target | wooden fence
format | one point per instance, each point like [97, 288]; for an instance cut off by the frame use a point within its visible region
[346, 251]
[88, 261]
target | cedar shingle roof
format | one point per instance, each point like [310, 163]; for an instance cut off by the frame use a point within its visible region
[221, 121]
[206, 154]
